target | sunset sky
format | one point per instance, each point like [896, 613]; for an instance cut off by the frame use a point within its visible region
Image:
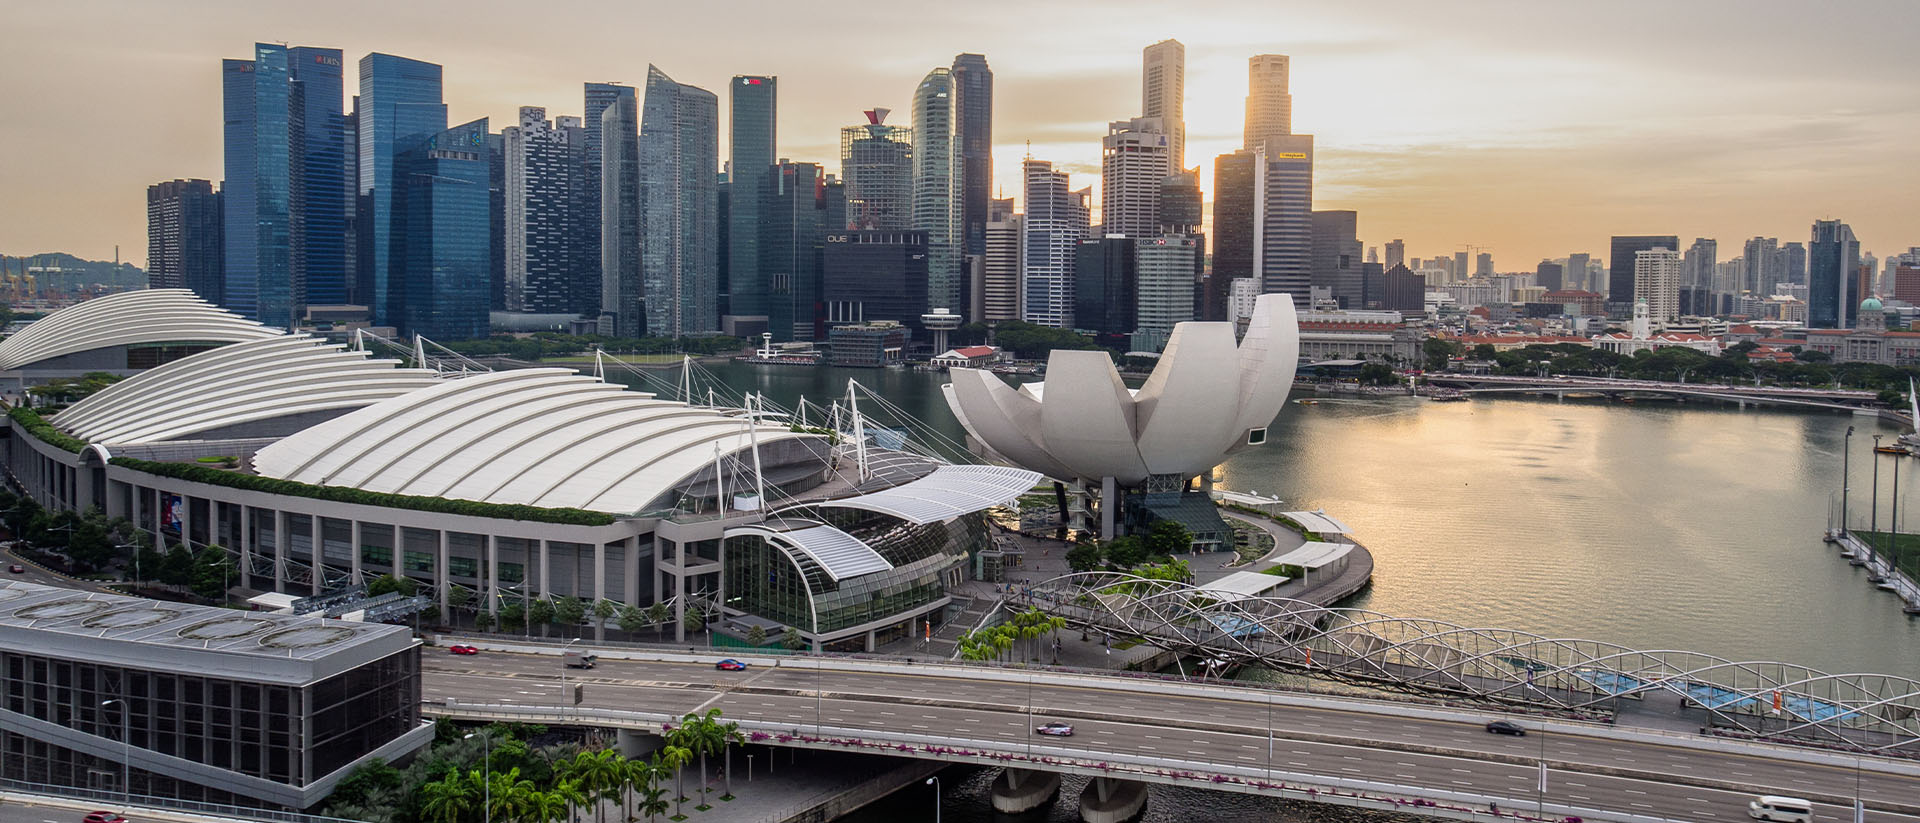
[1532, 129]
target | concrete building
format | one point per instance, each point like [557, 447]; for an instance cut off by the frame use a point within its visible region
[876, 164]
[1163, 290]
[679, 261]
[1241, 294]
[1396, 253]
[184, 231]
[1579, 274]
[1359, 335]
[1055, 221]
[1135, 162]
[1269, 103]
[542, 159]
[1336, 257]
[124, 694]
[1549, 274]
[1163, 94]
[1000, 267]
[1697, 278]
[1283, 217]
[870, 345]
[511, 485]
[1403, 291]
[1620, 284]
[1656, 282]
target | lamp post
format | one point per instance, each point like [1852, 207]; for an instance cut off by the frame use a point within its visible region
[934, 781]
[1873, 527]
[126, 753]
[563, 674]
[486, 773]
[1540, 801]
[1846, 477]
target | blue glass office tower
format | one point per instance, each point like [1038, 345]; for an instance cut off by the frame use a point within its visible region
[285, 162]
[754, 102]
[1833, 284]
[679, 259]
[444, 188]
[590, 191]
[400, 108]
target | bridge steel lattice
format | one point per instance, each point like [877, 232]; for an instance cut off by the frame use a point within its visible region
[1861, 712]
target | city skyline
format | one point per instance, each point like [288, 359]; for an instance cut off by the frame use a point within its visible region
[1421, 124]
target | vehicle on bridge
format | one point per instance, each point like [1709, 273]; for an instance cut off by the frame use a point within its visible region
[730, 665]
[1055, 730]
[1506, 727]
[1776, 808]
[104, 817]
[576, 659]
[16, 569]
[463, 650]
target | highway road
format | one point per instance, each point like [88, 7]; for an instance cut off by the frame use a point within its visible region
[1230, 729]
[35, 574]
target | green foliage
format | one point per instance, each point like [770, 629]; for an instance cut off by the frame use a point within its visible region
[1378, 374]
[1035, 342]
[459, 597]
[757, 636]
[569, 611]
[658, 613]
[512, 617]
[1437, 351]
[177, 568]
[1167, 537]
[1287, 570]
[43, 431]
[1024, 629]
[540, 612]
[73, 390]
[213, 569]
[1295, 525]
[1085, 556]
[695, 619]
[483, 621]
[373, 776]
[1126, 552]
[387, 583]
[339, 494]
[605, 609]
[791, 639]
[632, 619]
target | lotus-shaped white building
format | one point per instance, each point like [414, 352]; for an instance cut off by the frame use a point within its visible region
[1206, 399]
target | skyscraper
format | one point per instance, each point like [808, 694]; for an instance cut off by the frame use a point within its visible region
[973, 134]
[1051, 230]
[1760, 256]
[1163, 289]
[1283, 219]
[1656, 280]
[876, 164]
[753, 103]
[540, 161]
[623, 292]
[1000, 265]
[589, 190]
[1269, 105]
[679, 151]
[1620, 289]
[1483, 265]
[184, 243]
[400, 109]
[937, 185]
[1794, 256]
[1106, 288]
[1233, 211]
[1549, 275]
[798, 208]
[1163, 94]
[1833, 296]
[1336, 256]
[447, 241]
[285, 144]
[1460, 270]
[870, 275]
[1696, 278]
[1134, 164]
[1579, 275]
[1396, 253]
[1181, 206]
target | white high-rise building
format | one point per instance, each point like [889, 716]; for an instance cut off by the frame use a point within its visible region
[1241, 294]
[1135, 161]
[1283, 217]
[1050, 233]
[1163, 93]
[1656, 280]
[1000, 265]
[536, 206]
[1269, 104]
[936, 186]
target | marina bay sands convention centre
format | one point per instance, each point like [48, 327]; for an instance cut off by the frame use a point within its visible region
[322, 467]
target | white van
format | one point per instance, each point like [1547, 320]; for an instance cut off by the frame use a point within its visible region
[1781, 809]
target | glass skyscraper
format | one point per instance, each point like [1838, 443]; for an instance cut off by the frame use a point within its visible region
[876, 163]
[285, 150]
[973, 131]
[1833, 285]
[937, 172]
[622, 295]
[754, 102]
[1283, 217]
[1051, 231]
[679, 150]
[184, 237]
[400, 108]
[589, 191]
[448, 240]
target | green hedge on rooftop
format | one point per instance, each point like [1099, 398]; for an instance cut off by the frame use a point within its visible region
[45, 432]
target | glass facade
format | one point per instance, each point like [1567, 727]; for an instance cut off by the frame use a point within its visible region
[973, 136]
[937, 169]
[770, 580]
[875, 275]
[679, 256]
[753, 103]
[448, 238]
[400, 108]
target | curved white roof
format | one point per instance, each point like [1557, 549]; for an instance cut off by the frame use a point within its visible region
[127, 318]
[246, 382]
[540, 437]
[947, 492]
[839, 554]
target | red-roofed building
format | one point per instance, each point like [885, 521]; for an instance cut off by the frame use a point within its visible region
[969, 357]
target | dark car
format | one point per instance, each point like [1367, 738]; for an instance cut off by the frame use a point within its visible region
[1507, 727]
[730, 665]
[104, 817]
[463, 650]
[16, 569]
[1054, 730]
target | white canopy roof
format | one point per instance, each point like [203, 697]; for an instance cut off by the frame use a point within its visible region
[258, 380]
[945, 493]
[1319, 522]
[127, 318]
[1314, 554]
[839, 554]
[540, 437]
[1242, 585]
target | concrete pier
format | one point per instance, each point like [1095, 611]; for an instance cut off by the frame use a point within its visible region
[1020, 790]
[1112, 800]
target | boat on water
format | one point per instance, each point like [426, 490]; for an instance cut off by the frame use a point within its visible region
[1308, 402]
[1894, 448]
[1446, 395]
[1910, 442]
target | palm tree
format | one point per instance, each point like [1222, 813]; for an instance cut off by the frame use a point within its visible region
[569, 793]
[675, 756]
[510, 794]
[546, 807]
[448, 799]
[607, 773]
[646, 776]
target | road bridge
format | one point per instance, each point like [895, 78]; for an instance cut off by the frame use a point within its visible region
[1427, 759]
[1837, 399]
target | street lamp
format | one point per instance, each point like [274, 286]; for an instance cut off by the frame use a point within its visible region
[486, 773]
[563, 673]
[1874, 527]
[1846, 477]
[126, 753]
[934, 781]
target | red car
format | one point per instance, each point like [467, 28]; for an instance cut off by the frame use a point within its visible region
[16, 569]
[463, 650]
[104, 817]
[730, 665]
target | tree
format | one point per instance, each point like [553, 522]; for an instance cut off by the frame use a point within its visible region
[449, 799]
[483, 621]
[1437, 351]
[657, 615]
[388, 583]
[757, 636]
[1377, 374]
[647, 775]
[570, 793]
[212, 571]
[1126, 552]
[1484, 351]
[695, 619]
[177, 569]
[1167, 538]
[675, 757]
[459, 597]
[632, 620]
[547, 807]
[541, 612]
[792, 640]
[375, 775]
[569, 611]
[512, 617]
[1084, 556]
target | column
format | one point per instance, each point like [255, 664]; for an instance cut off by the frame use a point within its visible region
[399, 557]
[599, 571]
[440, 571]
[319, 551]
[354, 577]
[1109, 507]
[246, 546]
[492, 571]
[159, 517]
[546, 571]
[186, 521]
[630, 593]
[280, 530]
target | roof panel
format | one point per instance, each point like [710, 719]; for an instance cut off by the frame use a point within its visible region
[128, 318]
[945, 493]
[840, 554]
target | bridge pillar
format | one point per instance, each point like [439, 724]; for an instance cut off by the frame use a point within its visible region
[1109, 507]
[1112, 800]
[635, 744]
[1020, 790]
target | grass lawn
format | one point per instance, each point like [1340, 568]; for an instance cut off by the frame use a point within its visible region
[1905, 549]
